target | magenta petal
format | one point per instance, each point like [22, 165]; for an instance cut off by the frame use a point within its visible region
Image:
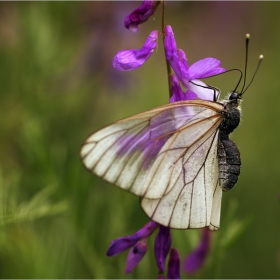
[131, 59]
[162, 246]
[205, 68]
[177, 93]
[169, 43]
[183, 62]
[140, 14]
[176, 58]
[174, 265]
[135, 255]
[190, 95]
[121, 244]
[197, 258]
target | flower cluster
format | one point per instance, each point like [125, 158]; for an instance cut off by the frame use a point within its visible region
[188, 76]
[162, 246]
[137, 243]
[185, 84]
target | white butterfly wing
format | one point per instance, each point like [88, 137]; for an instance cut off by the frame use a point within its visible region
[216, 208]
[195, 197]
[165, 155]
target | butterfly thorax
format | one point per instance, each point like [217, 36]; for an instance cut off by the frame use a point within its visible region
[231, 113]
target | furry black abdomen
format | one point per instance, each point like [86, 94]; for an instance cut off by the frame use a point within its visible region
[229, 162]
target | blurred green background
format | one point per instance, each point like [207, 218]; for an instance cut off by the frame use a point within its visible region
[57, 86]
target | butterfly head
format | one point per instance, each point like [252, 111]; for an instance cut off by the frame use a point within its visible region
[234, 96]
[233, 100]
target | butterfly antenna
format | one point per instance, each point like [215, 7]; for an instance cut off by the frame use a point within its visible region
[246, 61]
[241, 75]
[258, 66]
[245, 70]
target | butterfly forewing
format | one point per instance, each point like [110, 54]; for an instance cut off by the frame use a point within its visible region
[167, 156]
[179, 153]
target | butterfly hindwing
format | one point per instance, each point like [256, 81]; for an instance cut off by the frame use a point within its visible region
[190, 202]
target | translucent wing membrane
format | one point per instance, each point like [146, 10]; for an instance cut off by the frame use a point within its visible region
[168, 157]
[195, 198]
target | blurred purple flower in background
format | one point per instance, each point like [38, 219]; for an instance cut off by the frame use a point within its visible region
[121, 244]
[162, 246]
[138, 244]
[174, 265]
[140, 14]
[196, 259]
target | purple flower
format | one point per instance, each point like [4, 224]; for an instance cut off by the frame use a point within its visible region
[121, 244]
[162, 246]
[140, 15]
[135, 255]
[178, 93]
[189, 76]
[138, 244]
[126, 60]
[196, 258]
[174, 265]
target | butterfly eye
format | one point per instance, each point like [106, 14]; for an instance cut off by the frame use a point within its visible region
[234, 96]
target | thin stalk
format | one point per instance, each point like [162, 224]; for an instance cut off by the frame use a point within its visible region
[167, 64]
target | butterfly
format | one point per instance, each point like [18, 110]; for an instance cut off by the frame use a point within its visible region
[178, 158]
